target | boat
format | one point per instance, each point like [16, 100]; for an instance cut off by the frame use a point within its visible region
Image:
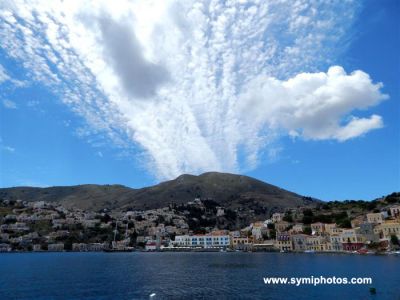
[362, 251]
[309, 251]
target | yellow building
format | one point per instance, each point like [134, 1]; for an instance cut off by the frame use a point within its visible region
[240, 241]
[316, 243]
[329, 228]
[318, 228]
[375, 218]
[387, 229]
[351, 236]
[283, 242]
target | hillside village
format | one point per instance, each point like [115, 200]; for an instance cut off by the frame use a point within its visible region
[202, 225]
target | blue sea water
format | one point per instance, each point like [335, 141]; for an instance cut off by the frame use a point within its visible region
[191, 276]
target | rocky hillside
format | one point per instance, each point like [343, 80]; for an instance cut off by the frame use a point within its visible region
[235, 192]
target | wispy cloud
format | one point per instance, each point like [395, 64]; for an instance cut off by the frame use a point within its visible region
[196, 84]
[9, 104]
[3, 75]
[8, 149]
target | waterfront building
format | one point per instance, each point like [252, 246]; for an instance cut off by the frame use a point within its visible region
[241, 243]
[352, 240]
[55, 247]
[335, 242]
[37, 247]
[367, 230]
[299, 242]
[151, 246]
[204, 241]
[283, 241]
[5, 247]
[315, 243]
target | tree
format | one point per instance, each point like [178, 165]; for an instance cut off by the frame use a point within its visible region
[394, 240]
[307, 230]
[288, 218]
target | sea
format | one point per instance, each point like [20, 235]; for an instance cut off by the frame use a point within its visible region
[193, 275]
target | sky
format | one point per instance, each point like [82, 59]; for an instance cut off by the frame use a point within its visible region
[300, 94]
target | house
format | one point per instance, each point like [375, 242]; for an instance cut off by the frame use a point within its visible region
[281, 226]
[315, 243]
[352, 240]
[335, 242]
[90, 223]
[395, 211]
[150, 246]
[367, 230]
[387, 229]
[55, 247]
[330, 228]
[241, 243]
[5, 247]
[336, 230]
[220, 211]
[375, 218]
[298, 228]
[299, 242]
[317, 228]
[96, 247]
[258, 230]
[39, 205]
[79, 247]
[283, 242]
[37, 247]
[277, 217]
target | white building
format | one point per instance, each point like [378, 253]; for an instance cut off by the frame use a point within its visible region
[277, 217]
[56, 247]
[205, 241]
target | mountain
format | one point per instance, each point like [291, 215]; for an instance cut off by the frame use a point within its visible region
[235, 192]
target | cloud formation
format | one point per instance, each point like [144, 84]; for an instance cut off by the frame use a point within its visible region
[221, 80]
[314, 105]
[9, 104]
[139, 78]
[3, 75]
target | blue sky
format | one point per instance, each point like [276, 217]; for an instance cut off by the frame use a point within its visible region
[88, 95]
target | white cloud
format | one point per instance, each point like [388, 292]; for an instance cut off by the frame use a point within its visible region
[8, 149]
[313, 105]
[221, 80]
[3, 75]
[9, 104]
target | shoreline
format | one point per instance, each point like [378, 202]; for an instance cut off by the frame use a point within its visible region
[221, 252]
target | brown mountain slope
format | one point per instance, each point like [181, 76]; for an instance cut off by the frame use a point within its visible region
[229, 190]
